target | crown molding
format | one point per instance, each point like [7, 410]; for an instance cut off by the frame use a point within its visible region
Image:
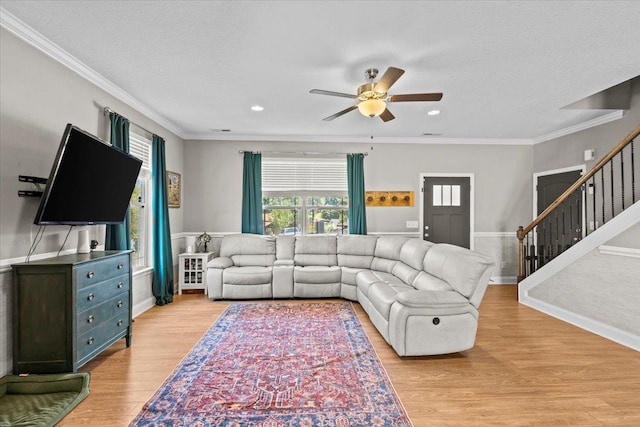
[614, 115]
[40, 42]
[46, 46]
[355, 139]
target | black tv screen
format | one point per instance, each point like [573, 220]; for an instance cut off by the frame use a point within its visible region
[90, 182]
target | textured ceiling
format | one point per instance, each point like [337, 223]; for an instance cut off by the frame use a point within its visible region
[506, 68]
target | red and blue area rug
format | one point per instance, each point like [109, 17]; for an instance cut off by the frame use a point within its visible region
[279, 365]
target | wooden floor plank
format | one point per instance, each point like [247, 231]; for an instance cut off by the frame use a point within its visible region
[526, 369]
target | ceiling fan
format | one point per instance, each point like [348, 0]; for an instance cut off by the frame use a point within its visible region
[372, 97]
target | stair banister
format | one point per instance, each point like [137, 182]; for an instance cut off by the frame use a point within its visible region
[523, 231]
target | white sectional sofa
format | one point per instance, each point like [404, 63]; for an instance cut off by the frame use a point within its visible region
[422, 297]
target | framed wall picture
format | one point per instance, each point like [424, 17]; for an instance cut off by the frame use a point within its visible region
[173, 189]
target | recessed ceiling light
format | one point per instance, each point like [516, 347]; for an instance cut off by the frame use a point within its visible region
[257, 108]
[433, 112]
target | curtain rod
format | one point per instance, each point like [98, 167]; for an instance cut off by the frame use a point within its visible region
[108, 110]
[297, 152]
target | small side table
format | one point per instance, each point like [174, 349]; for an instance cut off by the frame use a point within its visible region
[193, 270]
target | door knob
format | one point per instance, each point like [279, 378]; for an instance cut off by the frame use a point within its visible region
[426, 234]
[426, 227]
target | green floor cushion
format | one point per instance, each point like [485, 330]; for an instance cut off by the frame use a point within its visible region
[40, 400]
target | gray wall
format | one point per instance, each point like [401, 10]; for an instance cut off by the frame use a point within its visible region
[502, 173]
[601, 287]
[213, 182]
[629, 239]
[38, 97]
[569, 150]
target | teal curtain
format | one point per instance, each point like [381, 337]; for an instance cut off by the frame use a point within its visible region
[252, 194]
[161, 233]
[355, 182]
[117, 236]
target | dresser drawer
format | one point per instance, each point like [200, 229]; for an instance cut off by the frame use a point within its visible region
[97, 294]
[95, 339]
[95, 316]
[91, 273]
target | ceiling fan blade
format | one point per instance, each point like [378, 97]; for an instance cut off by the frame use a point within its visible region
[412, 97]
[328, 92]
[340, 113]
[388, 79]
[386, 115]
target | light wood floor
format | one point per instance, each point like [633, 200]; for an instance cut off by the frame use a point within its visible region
[526, 369]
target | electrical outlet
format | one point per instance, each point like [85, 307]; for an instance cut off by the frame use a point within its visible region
[503, 264]
[413, 224]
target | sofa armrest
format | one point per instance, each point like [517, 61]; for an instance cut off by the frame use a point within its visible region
[431, 299]
[283, 263]
[220, 262]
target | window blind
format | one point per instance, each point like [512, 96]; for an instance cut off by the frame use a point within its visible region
[308, 175]
[140, 147]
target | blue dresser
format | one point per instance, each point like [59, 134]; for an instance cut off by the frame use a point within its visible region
[68, 309]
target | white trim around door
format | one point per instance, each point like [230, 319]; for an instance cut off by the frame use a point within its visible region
[472, 189]
[582, 168]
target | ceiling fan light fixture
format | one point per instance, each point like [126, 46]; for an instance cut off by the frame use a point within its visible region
[372, 107]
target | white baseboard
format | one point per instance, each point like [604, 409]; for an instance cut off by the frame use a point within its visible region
[143, 306]
[607, 331]
[597, 238]
[503, 280]
[619, 251]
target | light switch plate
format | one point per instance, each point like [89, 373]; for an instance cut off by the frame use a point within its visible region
[413, 224]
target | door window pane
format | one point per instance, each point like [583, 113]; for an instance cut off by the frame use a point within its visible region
[437, 195]
[455, 195]
[446, 195]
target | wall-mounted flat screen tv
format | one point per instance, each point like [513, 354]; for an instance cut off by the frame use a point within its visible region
[91, 182]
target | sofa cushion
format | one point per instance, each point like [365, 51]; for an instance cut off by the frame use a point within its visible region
[349, 275]
[413, 252]
[387, 253]
[383, 295]
[249, 249]
[356, 251]
[220, 262]
[405, 273]
[459, 267]
[451, 300]
[317, 274]
[263, 260]
[284, 247]
[366, 278]
[427, 282]
[255, 275]
[315, 250]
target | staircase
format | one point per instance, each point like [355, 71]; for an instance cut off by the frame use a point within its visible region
[553, 258]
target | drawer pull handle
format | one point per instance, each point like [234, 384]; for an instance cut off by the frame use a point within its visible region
[120, 266]
[120, 322]
[119, 304]
[90, 341]
[90, 297]
[90, 319]
[90, 275]
[120, 285]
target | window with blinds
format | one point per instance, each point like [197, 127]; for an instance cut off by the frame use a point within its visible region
[304, 176]
[304, 195]
[140, 147]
